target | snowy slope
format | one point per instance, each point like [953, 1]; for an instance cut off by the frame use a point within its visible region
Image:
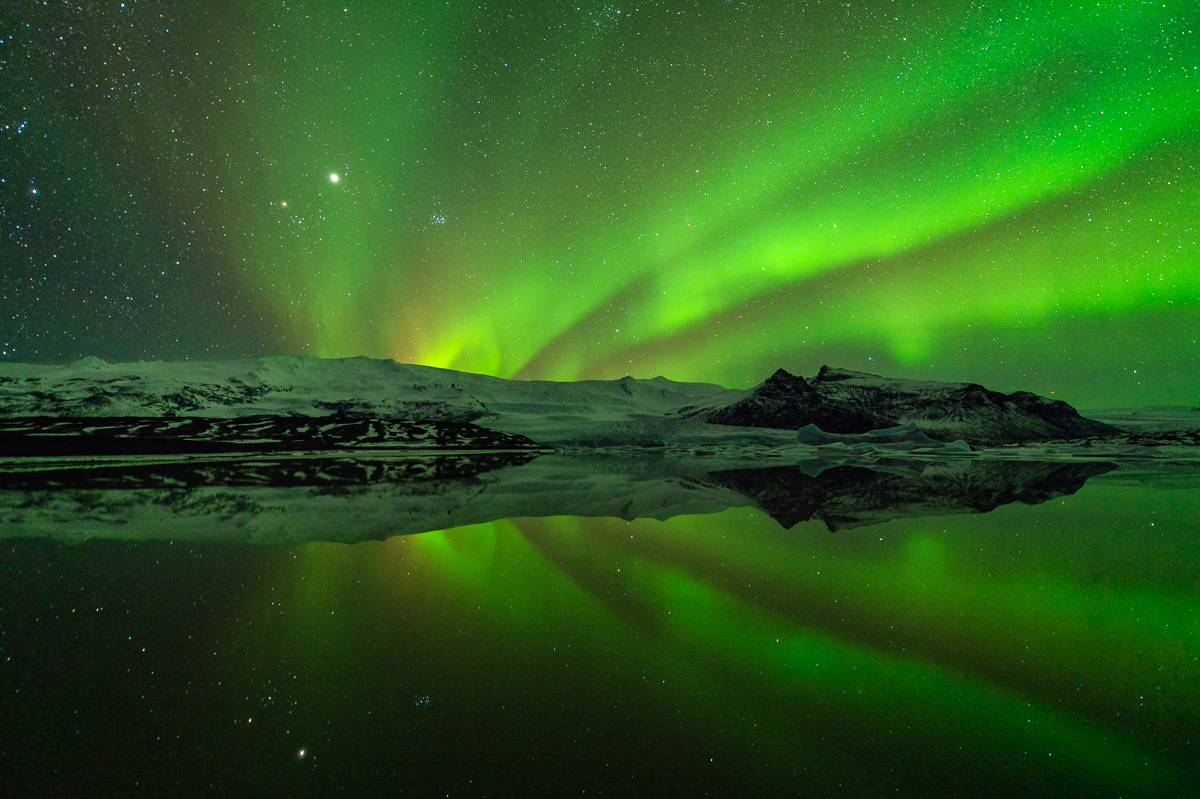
[590, 413]
[304, 385]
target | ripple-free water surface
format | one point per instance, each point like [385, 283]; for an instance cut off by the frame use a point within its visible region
[1046, 650]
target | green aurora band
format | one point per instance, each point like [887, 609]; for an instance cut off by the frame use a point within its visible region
[974, 192]
[984, 191]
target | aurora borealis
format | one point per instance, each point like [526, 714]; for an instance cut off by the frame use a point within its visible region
[1001, 192]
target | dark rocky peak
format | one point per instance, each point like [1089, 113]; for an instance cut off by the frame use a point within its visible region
[784, 384]
[786, 401]
[843, 401]
[973, 395]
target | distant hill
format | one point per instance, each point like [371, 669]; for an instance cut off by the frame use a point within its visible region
[1150, 419]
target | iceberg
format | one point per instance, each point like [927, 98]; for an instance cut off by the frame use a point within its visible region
[906, 436]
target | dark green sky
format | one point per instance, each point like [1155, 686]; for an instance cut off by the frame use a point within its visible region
[1003, 192]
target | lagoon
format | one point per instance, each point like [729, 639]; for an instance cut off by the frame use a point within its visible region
[1034, 649]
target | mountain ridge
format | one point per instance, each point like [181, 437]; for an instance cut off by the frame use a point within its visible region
[640, 412]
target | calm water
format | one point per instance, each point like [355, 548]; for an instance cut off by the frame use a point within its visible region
[1035, 650]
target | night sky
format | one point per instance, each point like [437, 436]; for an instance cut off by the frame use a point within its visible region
[1001, 192]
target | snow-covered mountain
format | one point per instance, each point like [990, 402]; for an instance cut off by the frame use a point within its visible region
[841, 401]
[651, 412]
[306, 385]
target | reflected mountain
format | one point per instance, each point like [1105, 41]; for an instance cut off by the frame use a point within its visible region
[847, 496]
[293, 499]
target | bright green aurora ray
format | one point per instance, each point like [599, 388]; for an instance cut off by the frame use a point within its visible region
[960, 192]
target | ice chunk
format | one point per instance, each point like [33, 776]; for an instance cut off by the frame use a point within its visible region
[903, 437]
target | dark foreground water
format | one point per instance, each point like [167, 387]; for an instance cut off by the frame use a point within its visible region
[1045, 650]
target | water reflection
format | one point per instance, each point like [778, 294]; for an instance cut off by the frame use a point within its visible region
[339, 498]
[851, 496]
[1035, 649]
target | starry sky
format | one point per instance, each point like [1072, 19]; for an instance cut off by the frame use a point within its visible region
[1000, 192]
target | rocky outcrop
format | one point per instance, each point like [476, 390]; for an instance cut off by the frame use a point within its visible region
[38, 436]
[841, 401]
[785, 400]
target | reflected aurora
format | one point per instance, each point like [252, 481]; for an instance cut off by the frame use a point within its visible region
[1033, 641]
